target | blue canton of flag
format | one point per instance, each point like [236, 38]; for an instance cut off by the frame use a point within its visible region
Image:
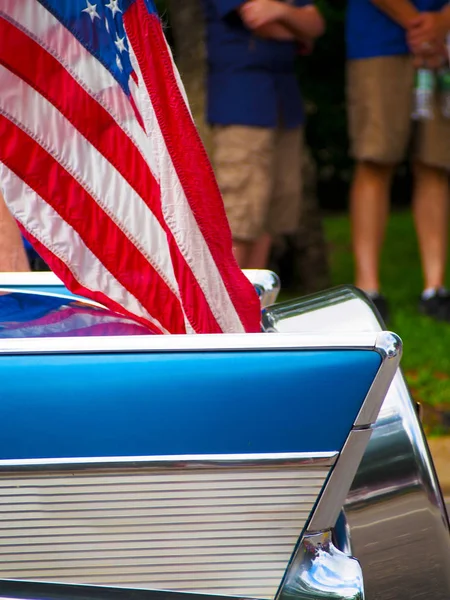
[99, 27]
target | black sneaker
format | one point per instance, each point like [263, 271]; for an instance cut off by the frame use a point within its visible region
[381, 305]
[436, 306]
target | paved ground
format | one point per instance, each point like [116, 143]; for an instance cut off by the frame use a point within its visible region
[440, 450]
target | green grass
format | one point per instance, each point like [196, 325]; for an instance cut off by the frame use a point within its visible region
[426, 357]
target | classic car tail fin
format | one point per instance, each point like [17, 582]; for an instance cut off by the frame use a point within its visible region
[207, 464]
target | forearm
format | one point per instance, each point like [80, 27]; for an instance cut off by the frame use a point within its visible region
[275, 31]
[304, 23]
[400, 11]
[445, 15]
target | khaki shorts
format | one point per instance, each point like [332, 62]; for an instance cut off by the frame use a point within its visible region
[380, 103]
[259, 174]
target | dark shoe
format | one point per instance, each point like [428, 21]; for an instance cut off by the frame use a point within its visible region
[381, 305]
[436, 306]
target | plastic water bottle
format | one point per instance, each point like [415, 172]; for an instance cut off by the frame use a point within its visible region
[424, 87]
[444, 91]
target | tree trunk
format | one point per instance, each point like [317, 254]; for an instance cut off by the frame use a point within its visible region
[301, 259]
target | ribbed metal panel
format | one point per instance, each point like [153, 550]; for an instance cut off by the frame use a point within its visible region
[221, 531]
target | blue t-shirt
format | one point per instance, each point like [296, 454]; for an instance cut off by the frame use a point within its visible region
[251, 81]
[371, 33]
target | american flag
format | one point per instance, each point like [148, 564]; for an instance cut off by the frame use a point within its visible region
[102, 166]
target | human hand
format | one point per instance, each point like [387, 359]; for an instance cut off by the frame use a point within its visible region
[425, 32]
[258, 13]
[432, 58]
[434, 61]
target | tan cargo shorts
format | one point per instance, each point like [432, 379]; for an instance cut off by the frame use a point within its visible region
[380, 103]
[259, 175]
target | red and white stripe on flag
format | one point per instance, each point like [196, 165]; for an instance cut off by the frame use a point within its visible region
[110, 182]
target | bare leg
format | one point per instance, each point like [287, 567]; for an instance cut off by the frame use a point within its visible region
[430, 206]
[259, 252]
[369, 206]
[12, 253]
[241, 251]
[253, 255]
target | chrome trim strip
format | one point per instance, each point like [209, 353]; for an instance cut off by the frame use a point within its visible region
[197, 343]
[68, 299]
[29, 279]
[226, 532]
[339, 482]
[10, 289]
[31, 590]
[321, 571]
[313, 459]
[389, 346]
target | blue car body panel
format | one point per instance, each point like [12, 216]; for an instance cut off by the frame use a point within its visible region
[181, 403]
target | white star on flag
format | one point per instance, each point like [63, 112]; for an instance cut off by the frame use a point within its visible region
[91, 10]
[113, 7]
[120, 43]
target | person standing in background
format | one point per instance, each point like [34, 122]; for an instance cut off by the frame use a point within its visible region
[386, 41]
[255, 108]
